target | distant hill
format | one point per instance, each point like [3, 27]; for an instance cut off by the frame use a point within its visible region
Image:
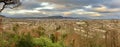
[51, 17]
[2, 16]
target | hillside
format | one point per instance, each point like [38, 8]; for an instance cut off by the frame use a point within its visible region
[75, 33]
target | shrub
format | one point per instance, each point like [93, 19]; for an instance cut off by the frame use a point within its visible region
[45, 42]
[15, 28]
[25, 41]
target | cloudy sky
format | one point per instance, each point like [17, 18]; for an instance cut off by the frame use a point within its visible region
[67, 8]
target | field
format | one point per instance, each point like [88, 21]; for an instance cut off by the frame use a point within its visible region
[59, 33]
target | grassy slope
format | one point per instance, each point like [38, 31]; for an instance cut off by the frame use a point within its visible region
[73, 33]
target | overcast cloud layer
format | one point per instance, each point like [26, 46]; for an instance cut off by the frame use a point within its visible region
[68, 8]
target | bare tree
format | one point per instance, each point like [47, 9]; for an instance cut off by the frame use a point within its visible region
[13, 3]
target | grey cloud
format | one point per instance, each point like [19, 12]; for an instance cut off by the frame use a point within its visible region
[101, 9]
[64, 7]
[113, 3]
[73, 1]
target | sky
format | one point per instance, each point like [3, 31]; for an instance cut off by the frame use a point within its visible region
[96, 9]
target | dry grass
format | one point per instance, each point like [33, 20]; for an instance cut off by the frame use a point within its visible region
[73, 33]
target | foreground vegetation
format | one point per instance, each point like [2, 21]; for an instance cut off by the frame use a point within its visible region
[60, 33]
[15, 39]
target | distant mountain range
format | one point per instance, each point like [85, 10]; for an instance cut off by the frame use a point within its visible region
[51, 17]
[62, 17]
[2, 16]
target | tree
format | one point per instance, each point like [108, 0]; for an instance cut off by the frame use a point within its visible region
[10, 4]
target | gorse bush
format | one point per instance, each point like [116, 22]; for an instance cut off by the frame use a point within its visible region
[15, 28]
[42, 42]
[41, 30]
[25, 41]
[45, 42]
